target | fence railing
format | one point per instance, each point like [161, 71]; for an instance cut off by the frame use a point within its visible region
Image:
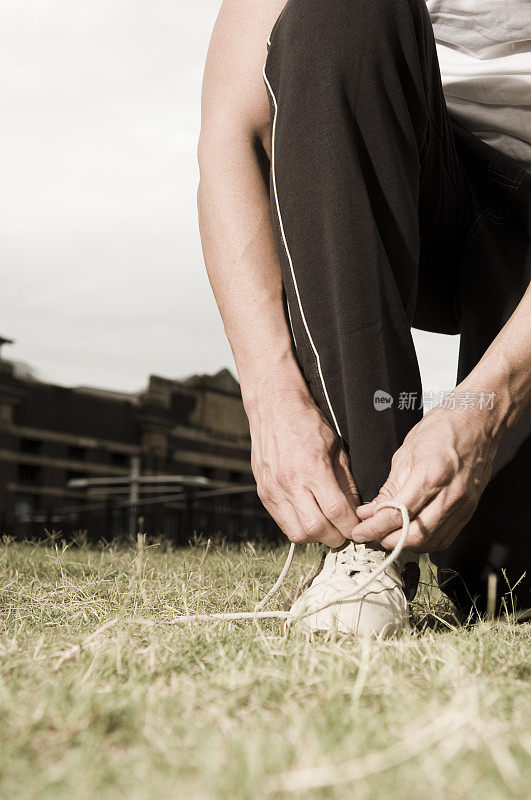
[176, 524]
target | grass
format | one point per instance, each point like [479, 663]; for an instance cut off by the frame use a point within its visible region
[103, 696]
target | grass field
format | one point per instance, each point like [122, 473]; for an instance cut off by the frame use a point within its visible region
[103, 696]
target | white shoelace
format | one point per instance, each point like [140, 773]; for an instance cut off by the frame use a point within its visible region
[365, 560]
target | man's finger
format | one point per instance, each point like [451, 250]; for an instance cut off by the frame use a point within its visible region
[335, 505]
[434, 528]
[287, 520]
[316, 526]
[375, 526]
[416, 540]
[367, 510]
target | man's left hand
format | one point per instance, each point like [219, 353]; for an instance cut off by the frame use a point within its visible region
[439, 474]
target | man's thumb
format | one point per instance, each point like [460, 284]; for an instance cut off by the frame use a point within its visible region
[367, 510]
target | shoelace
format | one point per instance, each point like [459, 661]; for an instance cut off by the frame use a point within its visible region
[258, 612]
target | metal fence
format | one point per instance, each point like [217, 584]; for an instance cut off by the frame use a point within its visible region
[177, 524]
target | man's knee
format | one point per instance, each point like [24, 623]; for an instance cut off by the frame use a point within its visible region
[339, 31]
[311, 26]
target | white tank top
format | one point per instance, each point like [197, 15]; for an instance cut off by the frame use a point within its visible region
[484, 52]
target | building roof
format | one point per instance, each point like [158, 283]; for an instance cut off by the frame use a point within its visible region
[109, 394]
[222, 381]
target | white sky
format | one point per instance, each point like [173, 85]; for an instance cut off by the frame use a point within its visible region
[102, 272]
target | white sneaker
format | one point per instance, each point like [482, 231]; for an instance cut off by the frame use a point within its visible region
[381, 609]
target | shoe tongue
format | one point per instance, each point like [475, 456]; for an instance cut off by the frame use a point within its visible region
[346, 544]
[359, 557]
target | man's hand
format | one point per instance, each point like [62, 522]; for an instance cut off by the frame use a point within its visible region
[302, 471]
[439, 474]
[446, 460]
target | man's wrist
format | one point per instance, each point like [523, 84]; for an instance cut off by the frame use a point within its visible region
[504, 371]
[505, 388]
[273, 380]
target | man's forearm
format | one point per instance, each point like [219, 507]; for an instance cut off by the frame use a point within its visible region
[505, 371]
[243, 268]
[301, 470]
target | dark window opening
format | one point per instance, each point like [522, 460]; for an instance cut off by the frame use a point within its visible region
[25, 505]
[30, 445]
[120, 459]
[76, 453]
[171, 451]
[73, 474]
[29, 473]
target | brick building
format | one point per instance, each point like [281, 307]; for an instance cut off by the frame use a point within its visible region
[51, 434]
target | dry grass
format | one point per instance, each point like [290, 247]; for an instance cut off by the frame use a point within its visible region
[103, 696]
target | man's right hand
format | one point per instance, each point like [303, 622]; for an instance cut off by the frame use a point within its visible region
[301, 470]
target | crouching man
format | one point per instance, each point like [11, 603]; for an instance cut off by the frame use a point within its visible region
[349, 192]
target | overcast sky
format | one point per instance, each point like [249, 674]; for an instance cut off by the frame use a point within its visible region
[102, 273]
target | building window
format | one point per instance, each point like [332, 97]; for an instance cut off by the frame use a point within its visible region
[6, 413]
[76, 453]
[171, 451]
[30, 446]
[29, 473]
[25, 505]
[73, 475]
[120, 459]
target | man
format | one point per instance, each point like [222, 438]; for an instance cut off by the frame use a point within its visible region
[340, 204]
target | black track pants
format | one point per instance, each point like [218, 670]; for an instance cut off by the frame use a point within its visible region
[389, 214]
